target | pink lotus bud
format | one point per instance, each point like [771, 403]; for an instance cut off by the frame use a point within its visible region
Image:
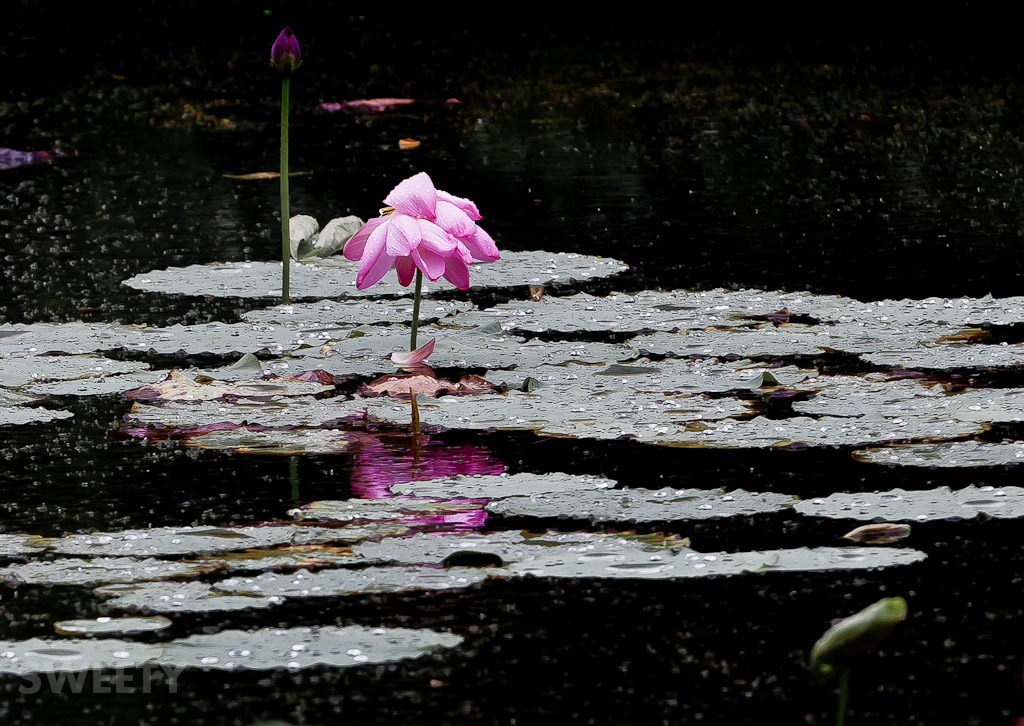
[284, 54]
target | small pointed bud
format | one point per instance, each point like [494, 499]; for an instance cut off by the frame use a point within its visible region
[284, 54]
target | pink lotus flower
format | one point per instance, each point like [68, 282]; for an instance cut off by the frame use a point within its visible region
[428, 229]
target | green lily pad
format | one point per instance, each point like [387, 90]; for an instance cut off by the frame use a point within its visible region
[345, 314]
[899, 505]
[379, 509]
[333, 277]
[951, 355]
[20, 415]
[642, 505]
[508, 546]
[112, 626]
[279, 413]
[901, 401]
[946, 454]
[20, 371]
[170, 597]
[20, 544]
[640, 564]
[172, 541]
[496, 487]
[267, 649]
[279, 443]
[102, 570]
[332, 583]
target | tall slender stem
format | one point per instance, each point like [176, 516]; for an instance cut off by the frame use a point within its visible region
[416, 310]
[285, 241]
[844, 697]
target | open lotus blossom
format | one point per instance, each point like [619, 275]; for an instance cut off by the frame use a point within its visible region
[428, 229]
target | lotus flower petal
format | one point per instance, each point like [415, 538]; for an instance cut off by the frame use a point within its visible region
[453, 220]
[456, 272]
[402, 234]
[432, 264]
[414, 357]
[414, 196]
[464, 204]
[353, 249]
[406, 269]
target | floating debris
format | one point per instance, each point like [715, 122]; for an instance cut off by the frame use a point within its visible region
[884, 533]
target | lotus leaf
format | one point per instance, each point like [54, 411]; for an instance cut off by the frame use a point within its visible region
[496, 487]
[334, 277]
[947, 454]
[111, 626]
[642, 505]
[919, 506]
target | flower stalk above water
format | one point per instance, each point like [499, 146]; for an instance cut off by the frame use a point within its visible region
[286, 57]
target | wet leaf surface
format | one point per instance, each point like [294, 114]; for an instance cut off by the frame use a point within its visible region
[948, 454]
[324, 314]
[277, 443]
[267, 649]
[111, 626]
[497, 487]
[919, 506]
[642, 505]
[333, 277]
[98, 571]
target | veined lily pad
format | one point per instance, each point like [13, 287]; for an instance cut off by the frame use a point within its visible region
[112, 626]
[280, 413]
[349, 313]
[332, 583]
[904, 400]
[20, 415]
[642, 505]
[334, 277]
[280, 443]
[919, 506]
[639, 564]
[951, 355]
[172, 541]
[508, 546]
[19, 371]
[102, 570]
[947, 454]
[170, 597]
[229, 650]
[179, 386]
[395, 508]
[496, 487]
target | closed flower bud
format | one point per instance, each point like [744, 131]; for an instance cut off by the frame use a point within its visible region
[284, 54]
[849, 640]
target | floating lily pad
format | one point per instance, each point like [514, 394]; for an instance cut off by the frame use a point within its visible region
[102, 570]
[230, 650]
[496, 487]
[280, 413]
[20, 415]
[280, 558]
[642, 505]
[169, 597]
[919, 506]
[95, 386]
[951, 355]
[280, 443]
[947, 454]
[333, 277]
[18, 371]
[20, 544]
[507, 546]
[179, 386]
[332, 583]
[12, 398]
[394, 508]
[112, 626]
[904, 400]
[640, 564]
[632, 313]
[349, 313]
[171, 541]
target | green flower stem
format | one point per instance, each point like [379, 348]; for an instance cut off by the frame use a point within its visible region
[844, 697]
[416, 309]
[285, 221]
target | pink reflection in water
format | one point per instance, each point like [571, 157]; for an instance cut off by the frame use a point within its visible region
[382, 460]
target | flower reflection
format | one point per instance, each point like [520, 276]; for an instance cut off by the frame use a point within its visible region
[382, 460]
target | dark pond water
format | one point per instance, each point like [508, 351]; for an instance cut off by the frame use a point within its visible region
[875, 166]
